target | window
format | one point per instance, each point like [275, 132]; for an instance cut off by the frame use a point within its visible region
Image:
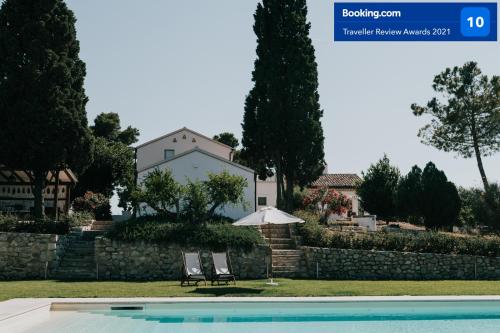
[262, 201]
[168, 153]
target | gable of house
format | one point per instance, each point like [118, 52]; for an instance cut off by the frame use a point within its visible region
[175, 143]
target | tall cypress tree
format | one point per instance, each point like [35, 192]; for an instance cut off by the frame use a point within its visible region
[42, 99]
[282, 131]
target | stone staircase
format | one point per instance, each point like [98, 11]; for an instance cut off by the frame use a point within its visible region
[287, 260]
[78, 259]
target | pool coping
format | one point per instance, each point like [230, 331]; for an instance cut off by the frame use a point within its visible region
[20, 306]
[20, 313]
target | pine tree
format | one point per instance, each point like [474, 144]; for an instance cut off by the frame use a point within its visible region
[42, 99]
[282, 132]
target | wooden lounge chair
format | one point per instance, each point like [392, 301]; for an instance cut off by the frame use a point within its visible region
[221, 268]
[192, 270]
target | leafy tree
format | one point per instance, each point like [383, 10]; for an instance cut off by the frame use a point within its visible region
[282, 131]
[161, 192]
[95, 203]
[378, 188]
[465, 120]
[196, 201]
[228, 139]
[224, 189]
[409, 195]
[440, 199]
[473, 210]
[113, 166]
[492, 206]
[107, 126]
[42, 99]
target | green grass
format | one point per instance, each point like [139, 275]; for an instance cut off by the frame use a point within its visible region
[287, 287]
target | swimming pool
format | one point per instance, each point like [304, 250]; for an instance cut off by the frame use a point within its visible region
[279, 317]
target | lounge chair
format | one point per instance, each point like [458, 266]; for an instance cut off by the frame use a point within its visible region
[221, 268]
[192, 269]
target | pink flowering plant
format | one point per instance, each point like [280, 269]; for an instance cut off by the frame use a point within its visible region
[326, 201]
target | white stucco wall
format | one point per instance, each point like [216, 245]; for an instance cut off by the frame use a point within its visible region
[267, 188]
[153, 152]
[351, 194]
[196, 166]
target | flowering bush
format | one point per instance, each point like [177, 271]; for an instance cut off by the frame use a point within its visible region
[326, 201]
[95, 203]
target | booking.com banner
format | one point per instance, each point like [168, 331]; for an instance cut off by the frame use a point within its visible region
[424, 21]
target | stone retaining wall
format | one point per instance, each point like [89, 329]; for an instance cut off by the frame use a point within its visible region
[29, 256]
[119, 260]
[388, 265]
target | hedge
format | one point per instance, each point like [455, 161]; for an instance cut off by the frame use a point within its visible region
[314, 234]
[215, 236]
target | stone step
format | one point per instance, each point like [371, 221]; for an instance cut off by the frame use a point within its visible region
[279, 240]
[287, 252]
[280, 246]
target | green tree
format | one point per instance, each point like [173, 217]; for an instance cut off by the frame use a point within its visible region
[161, 192]
[465, 118]
[42, 99]
[224, 189]
[378, 189]
[195, 202]
[228, 139]
[282, 131]
[107, 126]
[473, 211]
[113, 166]
[409, 195]
[440, 200]
[480, 208]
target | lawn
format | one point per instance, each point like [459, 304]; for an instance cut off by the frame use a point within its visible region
[287, 287]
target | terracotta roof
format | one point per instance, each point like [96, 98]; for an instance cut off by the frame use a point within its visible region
[344, 180]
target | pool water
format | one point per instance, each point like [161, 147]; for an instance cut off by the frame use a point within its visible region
[281, 317]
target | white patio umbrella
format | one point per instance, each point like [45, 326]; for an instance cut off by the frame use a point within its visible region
[267, 216]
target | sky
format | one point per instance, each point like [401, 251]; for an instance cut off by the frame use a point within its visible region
[162, 65]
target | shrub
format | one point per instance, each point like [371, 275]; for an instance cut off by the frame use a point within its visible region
[78, 219]
[95, 203]
[217, 236]
[11, 223]
[7, 222]
[314, 234]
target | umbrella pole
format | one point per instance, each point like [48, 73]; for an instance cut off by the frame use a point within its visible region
[271, 281]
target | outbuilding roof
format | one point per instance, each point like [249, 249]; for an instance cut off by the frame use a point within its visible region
[10, 176]
[339, 180]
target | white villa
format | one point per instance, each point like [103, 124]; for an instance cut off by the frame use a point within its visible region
[191, 155]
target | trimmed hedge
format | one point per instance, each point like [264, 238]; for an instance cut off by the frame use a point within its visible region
[216, 236]
[10, 223]
[314, 234]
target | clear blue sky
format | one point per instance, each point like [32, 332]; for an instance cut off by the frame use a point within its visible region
[166, 64]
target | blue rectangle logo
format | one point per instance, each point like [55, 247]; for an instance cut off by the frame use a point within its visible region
[415, 21]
